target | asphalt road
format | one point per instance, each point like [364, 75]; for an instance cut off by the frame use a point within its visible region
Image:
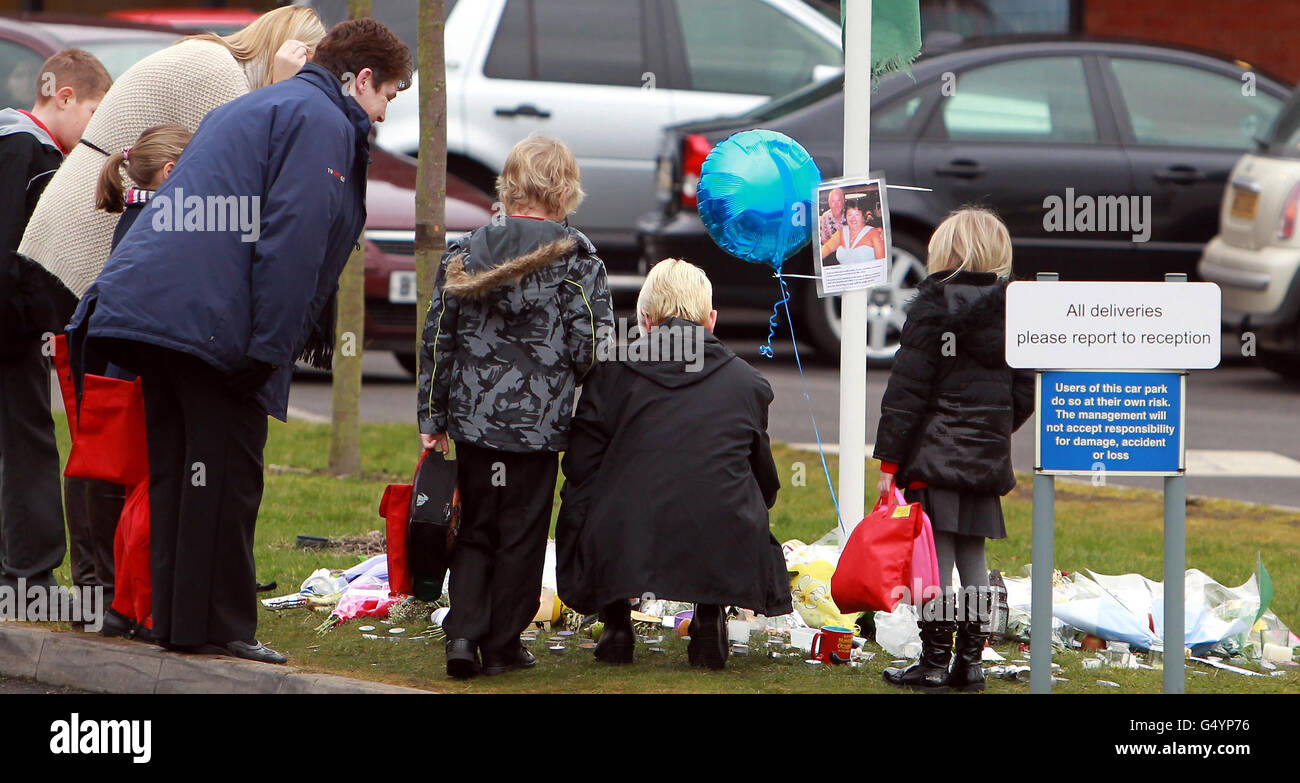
[1243, 422]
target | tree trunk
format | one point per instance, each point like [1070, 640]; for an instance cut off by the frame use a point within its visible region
[431, 176]
[345, 412]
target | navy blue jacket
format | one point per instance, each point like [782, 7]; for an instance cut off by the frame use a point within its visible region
[186, 280]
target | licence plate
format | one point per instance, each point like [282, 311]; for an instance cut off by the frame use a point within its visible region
[401, 287]
[1244, 203]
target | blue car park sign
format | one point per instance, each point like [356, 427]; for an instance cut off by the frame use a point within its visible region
[1113, 421]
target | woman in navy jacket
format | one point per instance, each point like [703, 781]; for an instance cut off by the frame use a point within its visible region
[225, 280]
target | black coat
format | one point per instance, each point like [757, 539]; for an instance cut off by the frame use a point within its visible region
[668, 480]
[952, 401]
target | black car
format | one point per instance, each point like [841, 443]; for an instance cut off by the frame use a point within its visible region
[1009, 125]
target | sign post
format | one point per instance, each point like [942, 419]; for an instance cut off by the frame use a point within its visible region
[853, 304]
[1121, 411]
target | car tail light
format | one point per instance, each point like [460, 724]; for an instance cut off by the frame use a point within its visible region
[1290, 211]
[695, 148]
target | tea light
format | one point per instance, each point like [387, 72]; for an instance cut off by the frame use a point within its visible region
[366, 628]
[557, 649]
[396, 631]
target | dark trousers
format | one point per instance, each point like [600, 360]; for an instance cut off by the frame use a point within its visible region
[205, 486]
[496, 568]
[32, 543]
[93, 510]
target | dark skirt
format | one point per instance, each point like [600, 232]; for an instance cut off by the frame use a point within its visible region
[962, 513]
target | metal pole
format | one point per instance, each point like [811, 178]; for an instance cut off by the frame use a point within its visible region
[1175, 569]
[1044, 564]
[1175, 566]
[853, 304]
[1043, 558]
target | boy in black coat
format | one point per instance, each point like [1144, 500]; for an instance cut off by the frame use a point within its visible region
[669, 477]
[34, 304]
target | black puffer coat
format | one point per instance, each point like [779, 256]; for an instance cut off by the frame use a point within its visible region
[952, 401]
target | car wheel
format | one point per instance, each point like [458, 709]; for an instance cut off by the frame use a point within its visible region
[886, 306]
[408, 362]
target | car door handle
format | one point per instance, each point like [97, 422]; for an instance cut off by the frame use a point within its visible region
[1184, 175]
[964, 168]
[523, 110]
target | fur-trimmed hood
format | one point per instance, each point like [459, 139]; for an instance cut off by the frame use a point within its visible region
[971, 306]
[494, 260]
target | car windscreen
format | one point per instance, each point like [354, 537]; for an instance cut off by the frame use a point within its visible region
[796, 100]
[1284, 139]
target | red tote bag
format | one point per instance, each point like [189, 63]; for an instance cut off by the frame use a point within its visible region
[395, 508]
[877, 560]
[110, 437]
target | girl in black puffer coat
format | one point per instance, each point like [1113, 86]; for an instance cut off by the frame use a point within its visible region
[945, 432]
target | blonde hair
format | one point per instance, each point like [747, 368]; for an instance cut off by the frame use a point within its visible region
[674, 289]
[255, 45]
[156, 147]
[540, 171]
[971, 239]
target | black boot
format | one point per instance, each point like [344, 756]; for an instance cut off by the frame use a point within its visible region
[618, 638]
[930, 673]
[967, 673]
[708, 646]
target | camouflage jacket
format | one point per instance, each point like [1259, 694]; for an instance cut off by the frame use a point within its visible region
[511, 331]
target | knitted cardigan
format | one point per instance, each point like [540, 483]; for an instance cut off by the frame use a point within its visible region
[179, 84]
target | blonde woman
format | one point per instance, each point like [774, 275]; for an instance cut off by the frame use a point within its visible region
[945, 433]
[178, 85]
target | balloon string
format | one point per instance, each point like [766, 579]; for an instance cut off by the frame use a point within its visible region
[766, 350]
[775, 320]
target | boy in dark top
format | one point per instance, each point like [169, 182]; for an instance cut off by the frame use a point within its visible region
[33, 304]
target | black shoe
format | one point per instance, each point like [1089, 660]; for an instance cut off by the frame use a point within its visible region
[521, 659]
[462, 659]
[618, 638]
[930, 673]
[708, 646]
[116, 624]
[249, 651]
[967, 672]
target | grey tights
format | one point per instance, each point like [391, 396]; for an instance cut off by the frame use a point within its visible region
[968, 554]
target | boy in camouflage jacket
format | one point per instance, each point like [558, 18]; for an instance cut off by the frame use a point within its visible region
[512, 328]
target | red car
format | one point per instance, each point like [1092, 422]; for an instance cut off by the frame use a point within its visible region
[222, 21]
[391, 317]
[391, 307]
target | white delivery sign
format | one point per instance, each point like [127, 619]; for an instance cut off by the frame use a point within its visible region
[1111, 325]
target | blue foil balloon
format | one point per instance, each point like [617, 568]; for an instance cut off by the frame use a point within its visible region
[755, 196]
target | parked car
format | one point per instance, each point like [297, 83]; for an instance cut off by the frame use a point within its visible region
[391, 307]
[1255, 258]
[1005, 124]
[27, 39]
[222, 21]
[391, 318]
[605, 77]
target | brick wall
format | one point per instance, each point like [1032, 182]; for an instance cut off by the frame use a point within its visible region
[1265, 33]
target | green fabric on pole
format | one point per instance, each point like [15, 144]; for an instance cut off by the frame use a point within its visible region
[1265, 583]
[895, 36]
